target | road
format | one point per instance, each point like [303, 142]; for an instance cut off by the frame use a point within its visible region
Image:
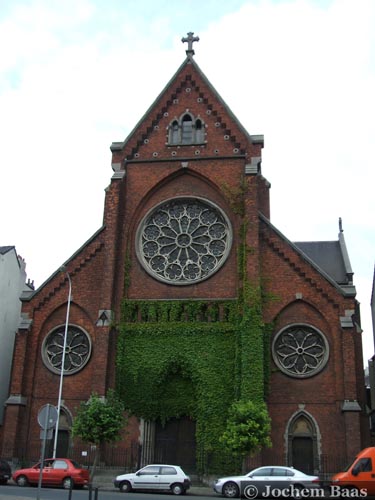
[12, 492]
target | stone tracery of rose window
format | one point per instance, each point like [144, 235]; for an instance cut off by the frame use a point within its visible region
[77, 352]
[300, 351]
[184, 240]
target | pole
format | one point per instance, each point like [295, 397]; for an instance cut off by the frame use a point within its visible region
[63, 269]
[45, 430]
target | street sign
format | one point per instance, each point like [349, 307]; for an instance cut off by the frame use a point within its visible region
[46, 434]
[47, 417]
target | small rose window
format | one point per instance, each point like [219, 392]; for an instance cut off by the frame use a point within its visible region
[300, 350]
[77, 352]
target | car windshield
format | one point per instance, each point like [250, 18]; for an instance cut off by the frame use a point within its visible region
[345, 469]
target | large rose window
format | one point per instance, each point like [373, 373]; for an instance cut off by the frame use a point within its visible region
[184, 240]
[300, 350]
[77, 352]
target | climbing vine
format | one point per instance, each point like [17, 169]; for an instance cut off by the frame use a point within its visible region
[177, 369]
[177, 358]
[195, 358]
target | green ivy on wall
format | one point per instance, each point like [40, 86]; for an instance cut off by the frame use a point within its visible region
[179, 368]
[195, 358]
[179, 358]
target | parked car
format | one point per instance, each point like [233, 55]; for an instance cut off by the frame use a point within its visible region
[155, 477]
[5, 471]
[358, 479]
[56, 472]
[267, 481]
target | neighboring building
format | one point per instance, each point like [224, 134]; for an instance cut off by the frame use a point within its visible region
[370, 371]
[188, 298]
[12, 285]
[372, 304]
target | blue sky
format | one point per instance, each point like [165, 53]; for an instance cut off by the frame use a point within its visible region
[76, 76]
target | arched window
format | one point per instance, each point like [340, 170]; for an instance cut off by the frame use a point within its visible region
[174, 133]
[199, 131]
[186, 130]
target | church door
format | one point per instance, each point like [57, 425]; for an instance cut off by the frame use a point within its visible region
[63, 440]
[303, 455]
[302, 444]
[175, 443]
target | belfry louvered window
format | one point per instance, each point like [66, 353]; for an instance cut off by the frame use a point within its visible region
[174, 133]
[186, 130]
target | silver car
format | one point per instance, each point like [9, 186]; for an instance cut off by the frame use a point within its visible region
[155, 477]
[267, 481]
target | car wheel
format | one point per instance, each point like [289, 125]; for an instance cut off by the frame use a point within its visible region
[22, 481]
[125, 487]
[177, 489]
[68, 483]
[3, 481]
[231, 490]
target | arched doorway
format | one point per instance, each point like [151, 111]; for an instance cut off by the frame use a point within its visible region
[175, 443]
[302, 438]
[63, 440]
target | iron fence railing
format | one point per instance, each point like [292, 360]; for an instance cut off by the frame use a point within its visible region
[207, 464]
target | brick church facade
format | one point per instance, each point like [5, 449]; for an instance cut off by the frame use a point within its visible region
[188, 274]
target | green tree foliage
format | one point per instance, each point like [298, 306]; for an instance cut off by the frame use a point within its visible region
[99, 421]
[248, 428]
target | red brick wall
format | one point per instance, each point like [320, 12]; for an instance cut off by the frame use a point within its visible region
[285, 274]
[155, 172]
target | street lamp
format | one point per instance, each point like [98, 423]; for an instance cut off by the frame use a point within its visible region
[62, 269]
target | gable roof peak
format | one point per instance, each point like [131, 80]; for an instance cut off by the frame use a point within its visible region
[188, 76]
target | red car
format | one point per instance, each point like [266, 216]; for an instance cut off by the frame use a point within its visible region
[56, 472]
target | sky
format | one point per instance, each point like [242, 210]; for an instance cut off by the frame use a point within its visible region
[77, 75]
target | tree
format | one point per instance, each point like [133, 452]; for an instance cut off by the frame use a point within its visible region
[98, 421]
[248, 428]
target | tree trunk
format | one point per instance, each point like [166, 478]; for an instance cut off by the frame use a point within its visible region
[96, 461]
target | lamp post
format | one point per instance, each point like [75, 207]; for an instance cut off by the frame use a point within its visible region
[62, 269]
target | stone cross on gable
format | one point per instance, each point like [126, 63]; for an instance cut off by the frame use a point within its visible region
[190, 39]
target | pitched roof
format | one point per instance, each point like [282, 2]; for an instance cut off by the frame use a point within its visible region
[255, 139]
[6, 249]
[329, 258]
[327, 255]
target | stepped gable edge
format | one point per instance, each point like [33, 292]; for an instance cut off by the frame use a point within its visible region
[189, 73]
[87, 252]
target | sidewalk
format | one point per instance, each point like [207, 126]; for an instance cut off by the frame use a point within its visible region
[104, 481]
[199, 490]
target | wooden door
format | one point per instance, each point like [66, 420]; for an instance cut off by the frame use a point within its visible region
[303, 454]
[175, 443]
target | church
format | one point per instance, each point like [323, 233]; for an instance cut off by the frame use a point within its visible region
[188, 299]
